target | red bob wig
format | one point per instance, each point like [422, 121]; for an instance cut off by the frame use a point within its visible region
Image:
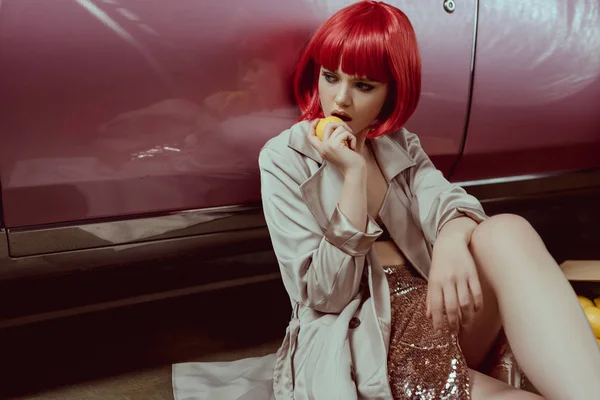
[371, 39]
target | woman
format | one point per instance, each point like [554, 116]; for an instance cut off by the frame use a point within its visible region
[399, 282]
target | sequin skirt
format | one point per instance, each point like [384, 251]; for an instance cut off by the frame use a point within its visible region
[421, 363]
[425, 365]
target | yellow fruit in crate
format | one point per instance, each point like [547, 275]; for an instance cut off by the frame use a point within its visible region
[323, 123]
[597, 301]
[585, 302]
[593, 316]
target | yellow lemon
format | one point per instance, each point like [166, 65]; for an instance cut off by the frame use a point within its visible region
[597, 301]
[593, 316]
[323, 123]
[585, 302]
[598, 340]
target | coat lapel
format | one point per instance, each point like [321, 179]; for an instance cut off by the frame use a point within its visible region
[391, 156]
[396, 211]
[321, 191]
[298, 141]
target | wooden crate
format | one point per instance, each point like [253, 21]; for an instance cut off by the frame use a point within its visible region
[584, 275]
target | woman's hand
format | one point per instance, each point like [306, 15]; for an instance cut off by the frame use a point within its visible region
[338, 146]
[454, 287]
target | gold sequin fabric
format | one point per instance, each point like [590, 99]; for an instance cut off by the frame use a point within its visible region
[503, 365]
[422, 364]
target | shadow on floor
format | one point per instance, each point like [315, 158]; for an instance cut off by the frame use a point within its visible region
[127, 353]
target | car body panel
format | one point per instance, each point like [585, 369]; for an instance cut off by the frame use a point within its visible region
[129, 132]
[536, 93]
[116, 109]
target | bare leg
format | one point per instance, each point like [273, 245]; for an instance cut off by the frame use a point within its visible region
[478, 337]
[486, 388]
[544, 323]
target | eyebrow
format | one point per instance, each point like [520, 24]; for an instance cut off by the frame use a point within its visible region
[365, 79]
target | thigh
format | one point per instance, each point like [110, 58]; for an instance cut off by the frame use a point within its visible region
[485, 388]
[478, 337]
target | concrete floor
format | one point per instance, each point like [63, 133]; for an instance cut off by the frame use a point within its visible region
[126, 354]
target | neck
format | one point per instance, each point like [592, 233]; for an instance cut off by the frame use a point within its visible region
[361, 142]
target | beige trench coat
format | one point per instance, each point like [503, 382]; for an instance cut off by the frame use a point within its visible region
[336, 344]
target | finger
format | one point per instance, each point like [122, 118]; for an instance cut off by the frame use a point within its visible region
[464, 300]
[329, 129]
[437, 308]
[315, 142]
[353, 142]
[312, 134]
[428, 302]
[347, 127]
[339, 130]
[344, 124]
[476, 292]
[347, 138]
[340, 135]
[312, 127]
[451, 303]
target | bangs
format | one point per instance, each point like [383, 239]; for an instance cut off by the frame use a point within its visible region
[358, 49]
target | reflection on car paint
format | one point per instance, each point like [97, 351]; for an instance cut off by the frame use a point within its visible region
[128, 37]
[557, 48]
[138, 107]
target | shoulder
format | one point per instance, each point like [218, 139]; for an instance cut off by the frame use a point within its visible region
[410, 143]
[279, 154]
[280, 144]
[404, 138]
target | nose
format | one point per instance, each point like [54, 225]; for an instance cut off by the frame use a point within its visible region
[342, 98]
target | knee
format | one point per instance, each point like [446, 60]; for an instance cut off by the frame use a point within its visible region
[502, 232]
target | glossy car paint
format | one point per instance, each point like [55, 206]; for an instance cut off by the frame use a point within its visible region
[536, 98]
[118, 108]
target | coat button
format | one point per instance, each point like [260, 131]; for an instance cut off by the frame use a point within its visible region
[354, 323]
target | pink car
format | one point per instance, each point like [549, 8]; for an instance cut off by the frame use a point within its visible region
[130, 130]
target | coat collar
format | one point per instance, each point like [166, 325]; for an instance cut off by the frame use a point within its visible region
[321, 191]
[298, 141]
[391, 156]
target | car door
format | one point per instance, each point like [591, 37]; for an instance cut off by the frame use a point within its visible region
[536, 95]
[123, 109]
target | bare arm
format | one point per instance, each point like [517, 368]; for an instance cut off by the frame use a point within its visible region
[353, 197]
[459, 228]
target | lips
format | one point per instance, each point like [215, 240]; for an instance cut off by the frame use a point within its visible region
[342, 115]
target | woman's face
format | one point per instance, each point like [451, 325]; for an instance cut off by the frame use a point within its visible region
[356, 100]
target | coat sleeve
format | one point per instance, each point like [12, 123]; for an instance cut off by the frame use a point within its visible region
[435, 201]
[321, 268]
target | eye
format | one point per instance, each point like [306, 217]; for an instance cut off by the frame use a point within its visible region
[364, 87]
[329, 77]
